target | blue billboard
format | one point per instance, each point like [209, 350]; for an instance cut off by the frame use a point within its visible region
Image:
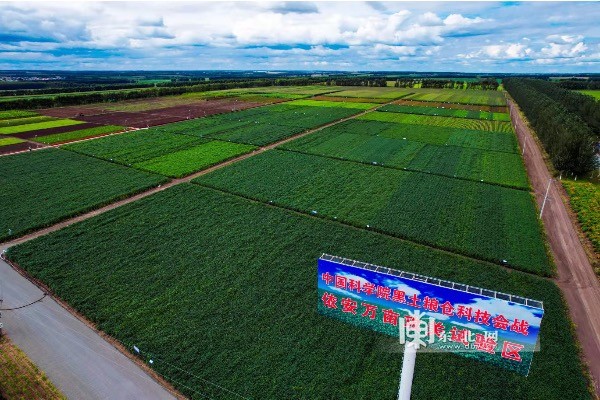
[482, 324]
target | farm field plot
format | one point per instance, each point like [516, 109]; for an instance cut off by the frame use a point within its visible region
[334, 104]
[43, 187]
[461, 123]
[79, 134]
[37, 126]
[184, 162]
[8, 141]
[372, 92]
[593, 93]
[445, 112]
[453, 106]
[16, 114]
[484, 97]
[389, 149]
[264, 125]
[140, 275]
[331, 97]
[484, 221]
[134, 147]
[24, 120]
[494, 141]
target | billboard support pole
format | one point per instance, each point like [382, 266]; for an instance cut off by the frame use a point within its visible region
[408, 370]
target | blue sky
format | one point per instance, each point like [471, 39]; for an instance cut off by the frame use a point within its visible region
[420, 36]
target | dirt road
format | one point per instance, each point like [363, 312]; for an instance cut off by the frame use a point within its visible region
[576, 277]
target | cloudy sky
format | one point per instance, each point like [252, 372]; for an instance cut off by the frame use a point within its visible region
[421, 36]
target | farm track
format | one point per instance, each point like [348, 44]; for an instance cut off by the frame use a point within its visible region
[576, 277]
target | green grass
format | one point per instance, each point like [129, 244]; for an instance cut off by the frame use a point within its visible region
[445, 112]
[16, 114]
[134, 147]
[384, 147]
[80, 134]
[594, 93]
[42, 187]
[25, 120]
[460, 123]
[38, 126]
[477, 97]
[585, 200]
[8, 141]
[184, 162]
[484, 221]
[217, 288]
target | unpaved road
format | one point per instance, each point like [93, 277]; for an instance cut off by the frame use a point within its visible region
[576, 277]
[75, 358]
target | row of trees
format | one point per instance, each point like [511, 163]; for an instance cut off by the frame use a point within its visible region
[80, 98]
[580, 84]
[586, 107]
[568, 140]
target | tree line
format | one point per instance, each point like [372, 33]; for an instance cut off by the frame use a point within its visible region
[567, 138]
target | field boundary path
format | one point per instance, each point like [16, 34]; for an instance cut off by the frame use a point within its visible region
[79, 361]
[76, 359]
[576, 277]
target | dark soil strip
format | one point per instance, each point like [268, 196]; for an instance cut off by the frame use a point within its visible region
[71, 112]
[13, 148]
[52, 131]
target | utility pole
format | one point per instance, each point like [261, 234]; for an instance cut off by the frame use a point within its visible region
[545, 197]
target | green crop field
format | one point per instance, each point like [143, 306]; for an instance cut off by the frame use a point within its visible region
[445, 112]
[324, 103]
[54, 123]
[593, 93]
[484, 221]
[483, 97]
[80, 134]
[372, 92]
[342, 135]
[134, 147]
[184, 162]
[42, 187]
[9, 141]
[264, 125]
[16, 114]
[190, 269]
[386, 147]
[25, 120]
[585, 200]
[461, 123]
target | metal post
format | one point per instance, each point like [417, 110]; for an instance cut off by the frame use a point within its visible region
[545, 197]
[408, 370]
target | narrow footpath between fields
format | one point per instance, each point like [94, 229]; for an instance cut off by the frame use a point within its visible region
[576, 277]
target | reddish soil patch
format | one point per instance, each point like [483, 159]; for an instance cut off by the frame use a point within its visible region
[454, 106]
[168, 115]
[71, 111]
[52, 131]
[13, 148]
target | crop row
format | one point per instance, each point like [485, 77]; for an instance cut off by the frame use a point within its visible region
[461, 123]
[8, 141]
[189, 268]
[585, 200]
[79, 134]
[52, 123]
[445, 112]
[42, 187]
[484, 97]
[485, 221]
[10, 114]
[366, 146]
